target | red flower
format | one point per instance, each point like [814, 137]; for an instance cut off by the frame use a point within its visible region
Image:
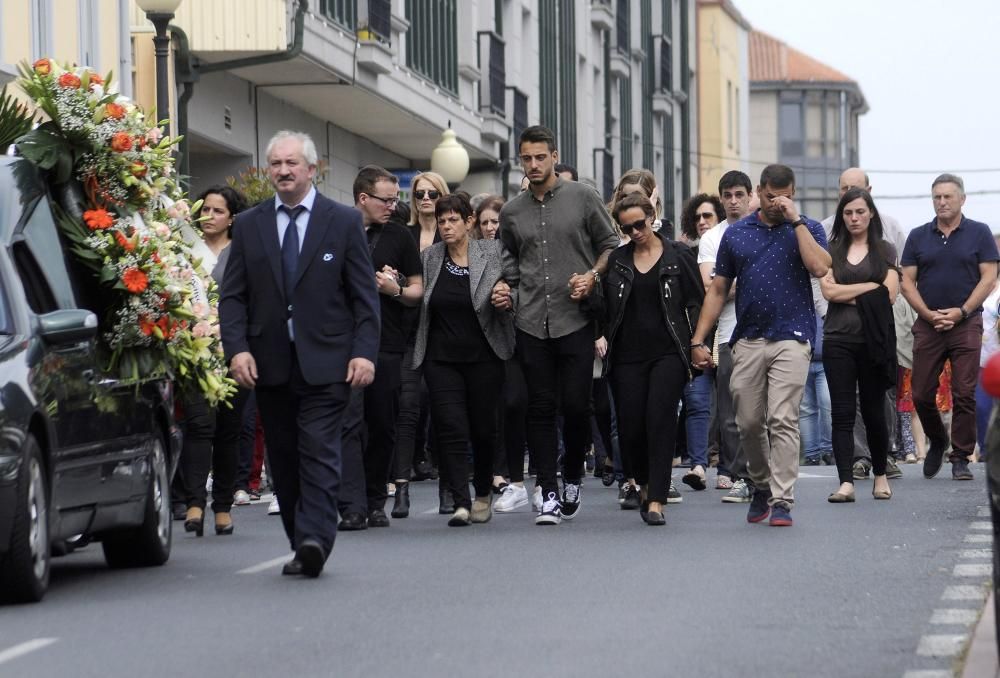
[121, 142]
[146, 325]
[69, 80]
[126, 243]
[113, 110]
[155, 257]
[97, 220]
[135, 280]
[42, 67]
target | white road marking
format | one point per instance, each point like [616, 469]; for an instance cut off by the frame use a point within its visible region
[964, 592]
[267, 565]
[928, 674]
[976, 553]
[941, 646]
[955, 616]
[983, 512]
[972, 570]
[981, 525]
[24, 648]
[978, 538]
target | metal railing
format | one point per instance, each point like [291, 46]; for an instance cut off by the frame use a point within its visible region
[492, 91]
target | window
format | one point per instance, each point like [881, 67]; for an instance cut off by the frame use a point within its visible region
[648, 72]
[89, 38]
[557, 73]
[625, 122]
[729, 113]
[669, 154]
[790, 132]
[41, 28]
[623, 20]
[431, 45]
[736, 117]
[341, 12]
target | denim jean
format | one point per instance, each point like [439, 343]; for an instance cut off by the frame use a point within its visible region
[698, 403]
[815, 424]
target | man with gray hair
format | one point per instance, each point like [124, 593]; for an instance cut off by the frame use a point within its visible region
[949, 268]
[855, 177]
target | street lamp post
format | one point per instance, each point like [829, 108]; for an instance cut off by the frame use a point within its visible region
[160, 12]
[450, 159]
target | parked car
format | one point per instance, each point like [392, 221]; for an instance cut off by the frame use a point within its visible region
[83, 456]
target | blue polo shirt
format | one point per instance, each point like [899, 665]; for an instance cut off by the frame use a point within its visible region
[948, 267]
[773, 289]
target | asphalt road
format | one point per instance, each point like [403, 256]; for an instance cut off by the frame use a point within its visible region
[850, 590]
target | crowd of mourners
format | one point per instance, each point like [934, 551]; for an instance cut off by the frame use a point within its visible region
[556, 336]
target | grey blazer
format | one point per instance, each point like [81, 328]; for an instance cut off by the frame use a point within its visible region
[486, 267]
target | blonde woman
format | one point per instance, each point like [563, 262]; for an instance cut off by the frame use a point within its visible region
[428, 188]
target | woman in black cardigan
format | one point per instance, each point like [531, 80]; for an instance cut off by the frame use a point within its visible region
[653, 295]
[863, 277]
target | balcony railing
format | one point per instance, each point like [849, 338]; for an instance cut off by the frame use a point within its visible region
[623, 21]
[342, 12]
[379, 20]
[492, 92]
[520, 115]
[431, 43]
[664, 80]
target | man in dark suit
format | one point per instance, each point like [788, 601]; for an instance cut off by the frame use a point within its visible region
[300, 324]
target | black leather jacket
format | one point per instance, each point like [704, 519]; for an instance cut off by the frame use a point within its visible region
[683, 294]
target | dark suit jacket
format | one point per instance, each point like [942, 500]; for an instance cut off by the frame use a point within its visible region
[334, 299]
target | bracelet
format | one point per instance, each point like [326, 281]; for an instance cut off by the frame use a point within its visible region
[965, 314]
[701, 345]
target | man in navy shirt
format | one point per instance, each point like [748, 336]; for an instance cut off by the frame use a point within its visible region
[773, 252]
[949, 268]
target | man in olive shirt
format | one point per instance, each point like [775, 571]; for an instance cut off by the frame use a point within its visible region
[560, 234]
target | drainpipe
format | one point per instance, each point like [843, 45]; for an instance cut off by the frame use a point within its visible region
[189, 71]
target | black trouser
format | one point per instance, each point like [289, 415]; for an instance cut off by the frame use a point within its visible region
[646, 397]
[370, 436]
[849, 371]
[465, 409]
[408, 420]
[302, 426]
[247, 441]
[732, 458]
[558, 370]
[514, 416]
[601, 399]
[211, 443]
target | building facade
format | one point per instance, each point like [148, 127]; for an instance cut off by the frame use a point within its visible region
[805, 115]
[723, 92]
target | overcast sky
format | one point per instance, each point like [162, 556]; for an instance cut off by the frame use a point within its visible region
[930, 71]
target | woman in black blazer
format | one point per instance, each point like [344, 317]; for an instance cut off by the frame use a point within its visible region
[462, 341]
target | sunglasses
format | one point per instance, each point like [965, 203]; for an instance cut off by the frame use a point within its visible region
[704, 215]
[634, 226]
[433, 195]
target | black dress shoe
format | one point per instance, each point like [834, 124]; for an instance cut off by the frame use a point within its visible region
[960, 470]
[655, 518]
[378, 518]
[401, 504]
[310, 555]
[292, 568]
[423, 471]
[934, 458]
[352, 522]
[447, 502]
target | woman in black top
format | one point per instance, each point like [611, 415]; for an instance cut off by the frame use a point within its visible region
[863, 264]
[462, 341]
[653, 295]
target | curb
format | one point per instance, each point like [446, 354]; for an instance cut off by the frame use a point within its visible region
[981, 660]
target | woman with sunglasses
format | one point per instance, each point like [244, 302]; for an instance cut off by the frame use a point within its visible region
[428, 188]
[653, 295]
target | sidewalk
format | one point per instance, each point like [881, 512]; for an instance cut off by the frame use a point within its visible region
[981, 662]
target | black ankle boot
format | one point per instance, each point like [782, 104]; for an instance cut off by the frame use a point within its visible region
[447, 506]
[401, 507]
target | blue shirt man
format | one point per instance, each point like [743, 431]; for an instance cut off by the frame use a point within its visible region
[772, 253]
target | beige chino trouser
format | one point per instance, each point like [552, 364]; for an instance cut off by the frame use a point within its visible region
[767, 384]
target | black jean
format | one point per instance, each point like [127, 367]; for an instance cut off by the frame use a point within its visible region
[211, 443]
[646, 397]
[514, 418]
[465, 409]
[369, 437]
[247, 440]
[558, 372]
[849, 371]
[411, 422]
[601, 399]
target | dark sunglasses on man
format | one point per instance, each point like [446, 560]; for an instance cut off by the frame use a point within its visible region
[420, 195]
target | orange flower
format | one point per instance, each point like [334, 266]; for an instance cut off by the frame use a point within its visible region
[69, 80]
[138, 170]
[135, 280]
[146, 325]
[97, 220]
[95, 79]
[113, 110]
[121, 142]
[126, 243]
[42, 67]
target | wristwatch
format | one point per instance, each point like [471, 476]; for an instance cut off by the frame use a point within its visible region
[597, 276]
[398, 293]
[798, 222]
[965, 314]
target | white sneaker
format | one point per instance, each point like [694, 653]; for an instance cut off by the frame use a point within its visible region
[551, 513]
[241, 498]
[536, 498]
[273, 509]
[511, 498]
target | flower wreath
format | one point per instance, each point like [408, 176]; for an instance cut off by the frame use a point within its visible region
[127, 220]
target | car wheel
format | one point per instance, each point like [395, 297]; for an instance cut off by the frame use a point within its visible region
[24, 570]
[148, 544]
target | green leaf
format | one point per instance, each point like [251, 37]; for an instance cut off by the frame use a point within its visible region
[48, 149]
[108, 274]
[15, 119]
